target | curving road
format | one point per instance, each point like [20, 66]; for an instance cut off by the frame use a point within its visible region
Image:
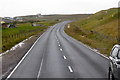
[57, 55]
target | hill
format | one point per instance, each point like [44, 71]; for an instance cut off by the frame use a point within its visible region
[100, 30]
[53, 17]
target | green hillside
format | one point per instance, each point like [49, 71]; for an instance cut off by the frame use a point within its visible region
[100, 31]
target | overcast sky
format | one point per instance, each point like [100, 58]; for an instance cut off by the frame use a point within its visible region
[13, 8]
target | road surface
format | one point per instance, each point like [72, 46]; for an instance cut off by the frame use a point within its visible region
[57, 55]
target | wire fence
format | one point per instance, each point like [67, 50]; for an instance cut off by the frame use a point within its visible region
[16, 36]
[97, 33]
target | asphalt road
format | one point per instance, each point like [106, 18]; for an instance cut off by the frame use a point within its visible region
[57, 55]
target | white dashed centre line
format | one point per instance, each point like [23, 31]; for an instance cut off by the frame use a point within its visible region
[60, 49]
[69, 67]
[59, 45]
[40, 69]
[64, 57]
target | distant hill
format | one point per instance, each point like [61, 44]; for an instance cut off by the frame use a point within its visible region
[56, 17]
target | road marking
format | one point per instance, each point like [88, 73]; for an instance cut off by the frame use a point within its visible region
[24, 57]
[64, 57]
[88, 47]
[69, 67]
[57, 30]
[60, 49]
[40, 69]
[56, 37]
[59, 45]
[93, 50]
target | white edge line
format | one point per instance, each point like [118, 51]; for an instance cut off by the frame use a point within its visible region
[56, 38]
[24, 57]
[64, 57]
[69, 67]
[40, 69]
[95, 51]
[89, 47]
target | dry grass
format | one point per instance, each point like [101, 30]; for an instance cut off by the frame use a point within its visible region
[104, 23]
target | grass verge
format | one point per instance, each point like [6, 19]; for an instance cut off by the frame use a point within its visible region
[99, 31]
[12, 36]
